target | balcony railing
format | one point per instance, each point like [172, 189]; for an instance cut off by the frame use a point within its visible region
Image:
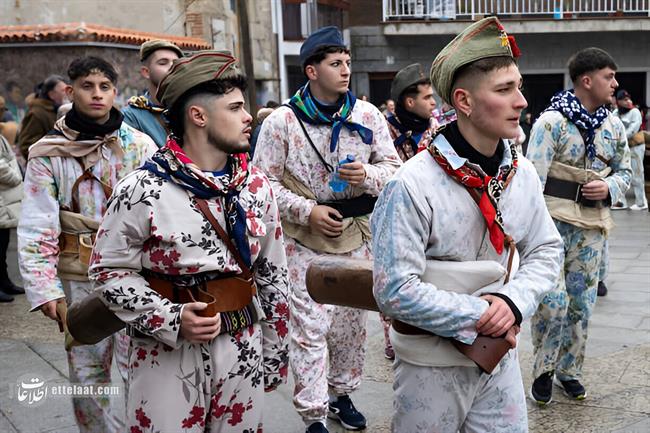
[471, 9]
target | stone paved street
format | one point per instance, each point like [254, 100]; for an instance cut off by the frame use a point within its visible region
[617, 369]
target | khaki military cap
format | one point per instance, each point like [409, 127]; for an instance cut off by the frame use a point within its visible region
[483, 39]
[406, 77]
[189, 72]
[149, 47]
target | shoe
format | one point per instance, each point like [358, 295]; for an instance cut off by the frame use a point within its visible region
[12, 289]
[4, 297]
[542, 390]
[317, 427]
[344, 412]
[572, 388]
[602, 289]
[389, 353]
[637, 207]
[619, 206]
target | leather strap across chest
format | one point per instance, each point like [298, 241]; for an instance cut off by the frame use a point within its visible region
[205, 210]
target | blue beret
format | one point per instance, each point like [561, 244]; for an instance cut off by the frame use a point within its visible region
[323, 37]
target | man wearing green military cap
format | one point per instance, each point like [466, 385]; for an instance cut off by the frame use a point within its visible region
[469, 199]
[410, 127]
[144, 112]
[190, 256]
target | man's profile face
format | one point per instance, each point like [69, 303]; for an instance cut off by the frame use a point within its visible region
[93, 96]
[625, 102]
[157, 65]
[58, 93]
[423, 103]
[332, 74]
[602, 85]
[497, 103]
[228, 123]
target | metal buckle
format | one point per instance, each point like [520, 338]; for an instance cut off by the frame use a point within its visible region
[86, 240]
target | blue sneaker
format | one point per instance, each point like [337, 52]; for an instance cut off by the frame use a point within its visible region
[317, 427]
[344, 412]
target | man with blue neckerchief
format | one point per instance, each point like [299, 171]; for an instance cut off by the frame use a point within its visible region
[301, 148]
[581, 154]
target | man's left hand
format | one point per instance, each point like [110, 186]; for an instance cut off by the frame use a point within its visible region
[352, 172]
[595, 190]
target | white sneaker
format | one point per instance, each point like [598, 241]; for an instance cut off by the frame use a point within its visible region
[637, 207]
[619, 206]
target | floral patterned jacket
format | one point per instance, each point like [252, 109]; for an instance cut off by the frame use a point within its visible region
[282, 146]
[425, 214]
[555, 138]
[48, 186]
[153, 224]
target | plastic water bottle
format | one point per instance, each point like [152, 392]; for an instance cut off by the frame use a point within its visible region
[337, 184]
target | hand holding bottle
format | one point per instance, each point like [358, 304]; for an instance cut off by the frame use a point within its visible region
[351, 171]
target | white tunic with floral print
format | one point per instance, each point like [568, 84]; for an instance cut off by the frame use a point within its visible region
[153, 224]
[48, 186]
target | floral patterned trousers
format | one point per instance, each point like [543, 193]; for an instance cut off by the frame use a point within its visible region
[89, 365]
[327, 348]
[559, 327]
[452, 399]
[215, 387]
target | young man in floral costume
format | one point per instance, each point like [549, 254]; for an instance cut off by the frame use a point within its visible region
[580, 152]
[299, 148]
[462, 200]
[193, 218]
[91, 139]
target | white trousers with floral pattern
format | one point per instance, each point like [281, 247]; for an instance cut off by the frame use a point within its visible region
[327, 348]
[89, 365]
[453, 399]
[216, 387]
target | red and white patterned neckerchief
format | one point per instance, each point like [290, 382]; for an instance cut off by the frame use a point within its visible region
[485, 190]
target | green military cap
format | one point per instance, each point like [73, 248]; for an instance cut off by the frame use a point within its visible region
[189, 72]
[404, 78]
[483, 39]
[149, 47]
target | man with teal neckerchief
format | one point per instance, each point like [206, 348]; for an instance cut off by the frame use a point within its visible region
[300, 148]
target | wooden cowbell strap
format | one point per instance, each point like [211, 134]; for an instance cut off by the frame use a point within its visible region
[205, 210]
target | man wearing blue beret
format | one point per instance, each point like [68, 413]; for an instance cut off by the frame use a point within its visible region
[327, 155]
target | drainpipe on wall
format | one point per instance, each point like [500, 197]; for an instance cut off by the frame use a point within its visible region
[276, 6]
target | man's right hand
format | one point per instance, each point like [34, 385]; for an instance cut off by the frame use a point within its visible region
[321, 221]
[197, 329]
[49, 309]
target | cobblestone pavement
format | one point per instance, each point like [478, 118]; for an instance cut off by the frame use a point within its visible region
[617, 368]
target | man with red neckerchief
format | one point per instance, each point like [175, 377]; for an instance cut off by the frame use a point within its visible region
[462, 201]
[194, 219]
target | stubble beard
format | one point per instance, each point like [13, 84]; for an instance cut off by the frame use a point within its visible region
[229, 147]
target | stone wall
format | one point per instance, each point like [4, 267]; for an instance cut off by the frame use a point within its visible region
[30, 65]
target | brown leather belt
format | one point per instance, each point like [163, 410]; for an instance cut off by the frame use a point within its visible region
[570, 191]
[486, 352]
[221, 295]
